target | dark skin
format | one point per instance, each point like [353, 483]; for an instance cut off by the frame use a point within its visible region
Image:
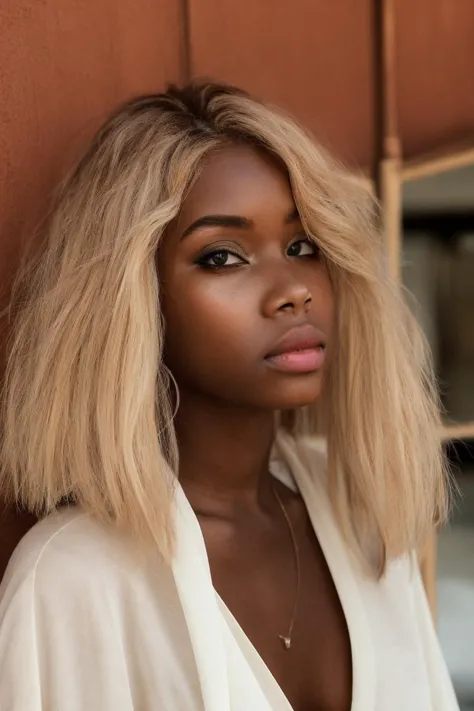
[231, 287]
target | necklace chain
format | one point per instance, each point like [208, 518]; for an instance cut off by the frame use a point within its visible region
[287, 639]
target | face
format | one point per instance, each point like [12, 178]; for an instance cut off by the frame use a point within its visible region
[246, 298]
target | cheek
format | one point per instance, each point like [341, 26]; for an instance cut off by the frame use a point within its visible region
[327, 316]
[320, 287]
[206, 327]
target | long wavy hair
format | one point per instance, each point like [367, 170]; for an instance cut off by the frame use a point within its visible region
[87, 404]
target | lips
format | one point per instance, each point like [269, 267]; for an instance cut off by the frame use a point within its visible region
[298, 339]
[301, 350]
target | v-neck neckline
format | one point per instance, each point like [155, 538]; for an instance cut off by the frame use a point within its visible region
[307, 471]
[302, 475]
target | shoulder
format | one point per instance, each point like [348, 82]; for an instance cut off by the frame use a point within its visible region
[67, 552]
[82, 614]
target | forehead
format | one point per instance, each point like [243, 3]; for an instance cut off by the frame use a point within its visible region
[238, 180]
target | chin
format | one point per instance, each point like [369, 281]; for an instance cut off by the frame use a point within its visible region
[291, 396]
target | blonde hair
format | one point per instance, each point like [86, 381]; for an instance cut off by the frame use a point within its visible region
[86, 406]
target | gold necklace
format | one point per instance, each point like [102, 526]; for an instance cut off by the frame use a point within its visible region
[287, 639]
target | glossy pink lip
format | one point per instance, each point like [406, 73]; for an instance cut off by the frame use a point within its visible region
[301, 350]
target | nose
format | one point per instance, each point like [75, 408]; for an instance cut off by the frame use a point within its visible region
[290, 295]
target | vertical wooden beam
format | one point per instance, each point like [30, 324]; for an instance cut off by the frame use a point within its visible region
[389, 187]
[391, 203]
[390, 137]
[389, 166]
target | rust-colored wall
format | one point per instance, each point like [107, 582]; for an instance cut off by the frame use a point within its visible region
[434, 72]
[63, 67]
[313, 57]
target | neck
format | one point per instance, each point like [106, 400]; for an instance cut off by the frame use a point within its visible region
[224, 455]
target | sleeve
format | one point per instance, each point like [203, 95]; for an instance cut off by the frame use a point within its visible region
[442, 691]
[20, 687]
[60, 642]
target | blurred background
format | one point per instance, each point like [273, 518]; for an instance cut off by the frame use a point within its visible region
[386, 85]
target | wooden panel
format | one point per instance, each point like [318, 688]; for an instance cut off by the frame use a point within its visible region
[64, 66]
[313, 57]
[435, 72]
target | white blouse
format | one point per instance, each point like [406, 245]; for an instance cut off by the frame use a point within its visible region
[86, 625]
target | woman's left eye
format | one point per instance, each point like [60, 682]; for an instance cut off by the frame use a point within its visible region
[302, 248]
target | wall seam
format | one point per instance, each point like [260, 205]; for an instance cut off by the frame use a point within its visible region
[185, 53]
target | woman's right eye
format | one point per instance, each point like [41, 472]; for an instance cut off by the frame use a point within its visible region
[220, 258]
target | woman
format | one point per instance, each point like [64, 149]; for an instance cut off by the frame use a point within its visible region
[212, 296]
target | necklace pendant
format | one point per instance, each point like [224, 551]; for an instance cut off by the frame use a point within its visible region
[286, 641]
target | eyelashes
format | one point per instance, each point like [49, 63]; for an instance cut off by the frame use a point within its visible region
[219, 259]
[226, 257]
[302, 248]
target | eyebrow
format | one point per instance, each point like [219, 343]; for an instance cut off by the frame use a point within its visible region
[218, 221]
[234, 221]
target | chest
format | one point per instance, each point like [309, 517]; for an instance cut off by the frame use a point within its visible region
[257, 579]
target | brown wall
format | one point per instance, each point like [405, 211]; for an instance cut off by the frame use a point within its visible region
[313, 57]
[434, 72]
[63, 67]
